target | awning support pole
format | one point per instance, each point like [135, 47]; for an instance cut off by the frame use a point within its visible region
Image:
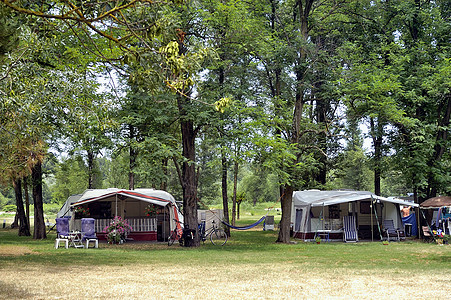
[115, 215]
[371, 210]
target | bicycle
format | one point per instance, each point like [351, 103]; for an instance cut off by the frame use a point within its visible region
[217, 234]
[185, 235]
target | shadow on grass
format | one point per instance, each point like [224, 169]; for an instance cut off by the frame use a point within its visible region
[244, 247]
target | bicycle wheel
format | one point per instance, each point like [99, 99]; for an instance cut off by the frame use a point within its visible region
[172, 237]
[218, 237]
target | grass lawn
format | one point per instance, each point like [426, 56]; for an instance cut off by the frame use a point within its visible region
[249, 266]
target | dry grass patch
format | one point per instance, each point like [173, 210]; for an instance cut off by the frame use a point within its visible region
[223, 281]
[14, 250]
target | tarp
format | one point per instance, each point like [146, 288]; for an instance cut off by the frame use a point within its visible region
[157, 197]
[436, 202]
[412, 219]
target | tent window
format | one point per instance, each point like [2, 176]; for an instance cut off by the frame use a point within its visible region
[365, 207]
[334, 211]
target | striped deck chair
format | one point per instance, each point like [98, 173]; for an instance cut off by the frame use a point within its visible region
[349, 229]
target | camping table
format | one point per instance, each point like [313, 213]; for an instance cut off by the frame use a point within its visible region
[75, 239]
[323, 233]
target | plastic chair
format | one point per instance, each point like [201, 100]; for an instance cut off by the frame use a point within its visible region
[88, 232]
[349, 229]
[62, 232]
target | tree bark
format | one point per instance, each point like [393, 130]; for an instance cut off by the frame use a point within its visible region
[90, 169]
[376, 132]
[285, 221]
[235, 185]
[24, 228]
[132, 159]
[39, 224]
[27, 199]
[189, 176]
[225, 201]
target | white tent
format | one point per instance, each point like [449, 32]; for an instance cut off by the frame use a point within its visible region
[65, 209]
[104, 204]
[314, 211]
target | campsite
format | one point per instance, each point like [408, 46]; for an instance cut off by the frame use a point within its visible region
[249, 266]
[225, 149]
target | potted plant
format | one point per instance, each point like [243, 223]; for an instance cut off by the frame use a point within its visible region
[117, 231]
[81, 212]
[385, 242]
[318, 240]
[150, 210]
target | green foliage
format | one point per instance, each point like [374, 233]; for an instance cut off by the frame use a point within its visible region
[9, 207]
[70, 179]
[9, 34]
[5, 201]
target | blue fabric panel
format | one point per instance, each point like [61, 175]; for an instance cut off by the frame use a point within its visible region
[245, 227]
[412, 219]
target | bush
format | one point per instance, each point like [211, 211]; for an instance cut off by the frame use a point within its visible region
[9, 208]
[51, 208]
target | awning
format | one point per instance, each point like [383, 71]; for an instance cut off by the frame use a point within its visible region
[325, 198]
[436, 202]
[156, 197]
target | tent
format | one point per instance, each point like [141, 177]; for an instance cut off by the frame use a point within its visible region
[438, 213]
[65, 209]
[315, 211]
[131, 205]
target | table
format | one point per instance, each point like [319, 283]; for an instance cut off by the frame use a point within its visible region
[75, 239]
[323, 233]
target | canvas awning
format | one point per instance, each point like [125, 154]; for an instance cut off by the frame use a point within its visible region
[152, 196]
[317, 198]
[156, 197]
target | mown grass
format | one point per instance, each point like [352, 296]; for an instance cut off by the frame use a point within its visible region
[250, 266]
[244, 247]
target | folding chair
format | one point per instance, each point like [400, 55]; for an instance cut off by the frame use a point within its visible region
[427, 234]
[88, 232]
[350, 229]
[390, 231]
[62, 232]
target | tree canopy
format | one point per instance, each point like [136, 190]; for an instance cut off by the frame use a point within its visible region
[255, 99]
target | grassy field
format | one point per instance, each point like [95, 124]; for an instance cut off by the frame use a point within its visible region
[249, 266]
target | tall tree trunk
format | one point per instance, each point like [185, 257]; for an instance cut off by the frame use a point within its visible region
[225, 200]
[377, 132]
[285, 221]
[27, 199]
[321, 112]
[304, 10]
[24, 228]
[189, 176]
[39, 223]
[235, 185]
[132, 159]
[90, 169]
[238, 203]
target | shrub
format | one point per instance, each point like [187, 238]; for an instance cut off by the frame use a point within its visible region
[9, 208]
